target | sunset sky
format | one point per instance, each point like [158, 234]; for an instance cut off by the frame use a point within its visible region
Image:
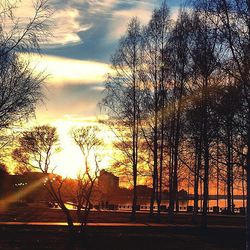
[76, 57]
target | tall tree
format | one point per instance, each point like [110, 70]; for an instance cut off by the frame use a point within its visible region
[155, 37]
[205, 51]
[178, 58]
[234, 27]
[123, 98]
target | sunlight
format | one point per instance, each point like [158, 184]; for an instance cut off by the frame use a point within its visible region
[6, 201]
[69, 160]
[69, 71]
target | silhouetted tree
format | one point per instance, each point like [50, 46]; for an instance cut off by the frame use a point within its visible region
[21, 90]
[178, 58]
[87, 139]
[122, 100]
[205, 51]
[36, 148]
[155, 38]
[232, 18]
[20, 86]
[23, 34]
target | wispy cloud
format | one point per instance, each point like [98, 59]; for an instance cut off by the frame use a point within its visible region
[66, 27]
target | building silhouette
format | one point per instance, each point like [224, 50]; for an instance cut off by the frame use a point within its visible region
[108, 182]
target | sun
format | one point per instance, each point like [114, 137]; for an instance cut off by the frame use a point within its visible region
[69, 161]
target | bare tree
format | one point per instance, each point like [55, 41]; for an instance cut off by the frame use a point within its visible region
[23, 34]
[177, 54]
[205, 51]
[20, 87]
[155, 38]
[87, 139]
[232, 18]
[36, 148]
[122, 100]
[21, 90]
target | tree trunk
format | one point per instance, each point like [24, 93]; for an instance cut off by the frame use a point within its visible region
[243, 187]
[133, 215]
[248, 185]
[176, 156]
[196, 179]
[159, 200]
[171, 199]
[154, 195]
[205, 188]
[69, 220]
[152, 199]
[217, 174]
[206, 153]
[229, 168]
[135, 136]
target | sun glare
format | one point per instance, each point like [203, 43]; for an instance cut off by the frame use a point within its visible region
[69, 161]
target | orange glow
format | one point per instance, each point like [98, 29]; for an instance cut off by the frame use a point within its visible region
[69, 161]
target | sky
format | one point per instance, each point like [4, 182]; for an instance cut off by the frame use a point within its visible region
[76, 58]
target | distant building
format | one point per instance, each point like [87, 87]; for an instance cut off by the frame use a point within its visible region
[108, 183]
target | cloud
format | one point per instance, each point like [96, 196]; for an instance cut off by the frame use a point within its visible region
[70, 101]
[74, 87]
[97, 6]
[65, 22]
[90, 29]
[64, 71]
[175, 11]
[66, 26]
[121, 19]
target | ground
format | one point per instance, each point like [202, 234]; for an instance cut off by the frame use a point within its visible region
[114, 231]
[120, 238]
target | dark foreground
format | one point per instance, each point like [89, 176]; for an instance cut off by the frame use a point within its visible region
[37, 227]
[120, 238]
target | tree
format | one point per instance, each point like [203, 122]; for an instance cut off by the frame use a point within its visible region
[21, 90]
[232, 18]
[20, 86]
[228, 109]
[20, 34]
[36, 148]
[155, 38]
[205, 52]
[177, 55]
[87, 139]
[122, 100]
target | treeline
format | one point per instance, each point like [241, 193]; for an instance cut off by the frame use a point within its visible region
[178, 101]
